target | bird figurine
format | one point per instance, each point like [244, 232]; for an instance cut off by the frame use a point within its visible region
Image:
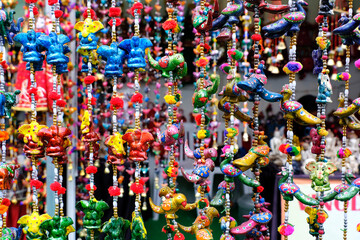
[350, 121]
[343, 111]
[350, 192]
[201, 225]
[172, 135]
[260, 153]
[339, 189]
[264, 6]
[203, 95]
[169, 64]
[171, 203]
[295, 110]
[289, 24]
[349, 30]
[289, 190]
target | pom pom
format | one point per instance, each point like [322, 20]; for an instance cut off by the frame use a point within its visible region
[225, 67]
[293, 151]
[117, 102]
[358, 227]
[89, 80]
[35, 11]
[286, 229]
[137, 188]
[202, 134]
[92, 13]
[357, 64]
[36, 183]
[55, 186]
[344, 153]
[259, 189]
[32, 91]
[168, 229]
[321, 217]
[292, 67]
[30, 1]
[170, 99]
[202, 62]
[319, 19]
[4, 65]
[114, 191]
[54, 96]
[87, 187]
[283, 148]
[137, 98]
[198, 119]
[58, 13]
[256, 37]
[61, 103]
[6, 202]
[114, 12]
[344, 76]
[4, 136]
[62, 191]
[235, 54]
[179, 236]
[3, 209]
[91, 170]
[117, 22]
[169, 24]
[136, 6]
[93, 101]
[52, 2]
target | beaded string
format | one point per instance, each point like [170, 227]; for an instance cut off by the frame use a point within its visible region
[3, 192]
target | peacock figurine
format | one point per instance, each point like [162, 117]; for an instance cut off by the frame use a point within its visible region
[289, 190]
[339, 188]
[349, 30]
[295, 110]
[350, 192]
[343, 111]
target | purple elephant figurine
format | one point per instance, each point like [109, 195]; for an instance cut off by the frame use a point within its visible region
[316, 141]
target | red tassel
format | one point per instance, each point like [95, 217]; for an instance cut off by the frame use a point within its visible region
[89, 80]
[30, 1]
[137, 98]
[179, 236]
[58, 13]
[36, 183]
[55, 186]
[117, 102]
[93, 101]
[35, 11]
[62, 191]
[319, 19]
[137, 188]
[198, 119]
[41, 4]
[4, 65]
[92, 13]
[52, 2]
[114, 191]
[87, 187]
[6, 202]
[91, 170]
[117, 20]
[136, 6]
[256, 37]
[169, 24]
[60, 103]
[202, 62]
[114, 12]
[260, 189]
[54, 96]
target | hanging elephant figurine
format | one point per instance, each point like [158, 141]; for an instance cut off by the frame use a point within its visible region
[10, 101]
[295, 110]
[31, 49]
[31, 225]
[56, 48]
[116, 150]
[316, 218]
[87, 35]
[33, 144]
[135, 48]
[7, 174]
[289, 190]
[202, 96]
[116, 228]
[324, 88]
[114, 57]
[11, 28]
[319, 174]
[139, 142]
[349, 31]
[93, 210]
[289, 24]
[89, 136]
[58, 228]
[255, 85]
[201, 225]
[137, 227]
[11, 233]
[169, 64]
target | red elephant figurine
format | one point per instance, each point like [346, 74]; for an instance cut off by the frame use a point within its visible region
[139, 142]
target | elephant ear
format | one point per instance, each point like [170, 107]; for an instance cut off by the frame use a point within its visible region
[79, 26]
[330, 167]
[23, 220]
[97, 26]
[311, 166]
[101, 206]
[82, 205]
[47, 224]
[44, 217]
[69, 230]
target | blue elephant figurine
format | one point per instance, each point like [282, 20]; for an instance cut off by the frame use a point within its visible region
[55, 48]
[135, 47]
[324, 89]
[114, 57]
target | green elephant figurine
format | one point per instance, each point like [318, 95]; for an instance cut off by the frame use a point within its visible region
[202, 96]
[94, 211]
[169, 63]
[10, 102]
[138, 230]
[116, 228]
[57, 228]
[319, 175]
